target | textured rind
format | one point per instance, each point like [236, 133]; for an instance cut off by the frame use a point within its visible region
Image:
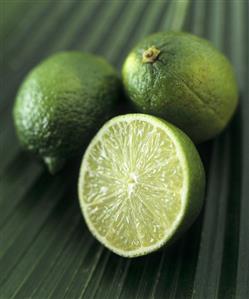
[193, 189]
[191, 84]
[194, 169]
[62, 102]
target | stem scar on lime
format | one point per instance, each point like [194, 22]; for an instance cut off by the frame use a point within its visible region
[150, 55]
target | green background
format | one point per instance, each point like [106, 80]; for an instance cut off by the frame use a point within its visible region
[46, 250]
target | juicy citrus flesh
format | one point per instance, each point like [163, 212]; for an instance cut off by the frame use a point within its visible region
[132, 184]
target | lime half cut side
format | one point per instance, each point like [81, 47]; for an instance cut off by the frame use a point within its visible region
[141, 184]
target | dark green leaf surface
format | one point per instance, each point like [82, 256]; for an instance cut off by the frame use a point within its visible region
[46, 250]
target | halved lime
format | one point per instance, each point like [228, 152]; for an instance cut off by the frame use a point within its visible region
[141, 183]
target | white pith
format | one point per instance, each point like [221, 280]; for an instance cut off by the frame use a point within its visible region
[131, 181]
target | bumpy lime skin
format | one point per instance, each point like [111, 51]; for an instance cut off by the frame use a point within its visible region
[190, 84]
[61, 104]
[196, 181]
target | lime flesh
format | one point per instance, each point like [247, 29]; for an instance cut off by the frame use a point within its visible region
[141, 182]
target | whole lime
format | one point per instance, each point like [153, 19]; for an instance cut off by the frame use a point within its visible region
[62, 103]
[185, 80]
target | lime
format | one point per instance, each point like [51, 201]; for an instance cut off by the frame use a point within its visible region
[141, 184]
[183, 79]
[62, 103]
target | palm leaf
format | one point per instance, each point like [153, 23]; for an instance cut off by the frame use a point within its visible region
[46, 250]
